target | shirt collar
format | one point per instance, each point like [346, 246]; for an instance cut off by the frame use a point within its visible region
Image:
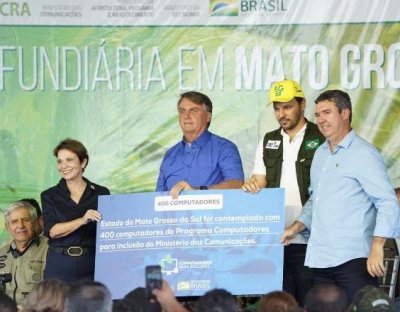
[16, 253]
[62, 184]
[201, 140]
[299, 133]
[345, 143]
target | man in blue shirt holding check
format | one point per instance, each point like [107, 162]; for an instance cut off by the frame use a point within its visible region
[352, 209]
[202, 160]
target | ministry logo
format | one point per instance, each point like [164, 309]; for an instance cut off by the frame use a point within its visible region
[224, 7]
[8, 8]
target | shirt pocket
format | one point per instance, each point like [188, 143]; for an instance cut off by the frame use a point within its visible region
[305, 168]
[34, 272]
[270, 162]
[305, 165]
[271, 166]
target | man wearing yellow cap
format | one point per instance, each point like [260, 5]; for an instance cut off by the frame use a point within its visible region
[283, 159]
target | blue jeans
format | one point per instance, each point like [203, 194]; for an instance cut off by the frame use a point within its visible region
[350, 276]
[297, 278]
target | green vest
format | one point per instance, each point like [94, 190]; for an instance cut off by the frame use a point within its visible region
[273, 158]
[26, 270]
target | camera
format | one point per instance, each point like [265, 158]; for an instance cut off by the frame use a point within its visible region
[5, 278]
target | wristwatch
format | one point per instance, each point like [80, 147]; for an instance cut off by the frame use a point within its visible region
[203, 187]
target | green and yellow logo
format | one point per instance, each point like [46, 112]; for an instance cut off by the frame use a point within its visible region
[14, 9]
[311, 144]
[278, 90]
[183, 285]
[224, 8]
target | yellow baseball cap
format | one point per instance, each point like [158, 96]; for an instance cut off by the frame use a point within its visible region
[285, 91]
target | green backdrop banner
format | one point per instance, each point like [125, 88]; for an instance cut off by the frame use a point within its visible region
[115, 89]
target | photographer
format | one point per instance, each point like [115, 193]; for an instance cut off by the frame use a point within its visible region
[25, 256]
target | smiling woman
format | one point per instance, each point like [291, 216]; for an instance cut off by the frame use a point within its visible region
[69, 209]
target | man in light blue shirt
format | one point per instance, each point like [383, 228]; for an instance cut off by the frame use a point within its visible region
[202, 160]
[352, 209]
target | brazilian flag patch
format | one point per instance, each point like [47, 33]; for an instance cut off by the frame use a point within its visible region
[311, 144]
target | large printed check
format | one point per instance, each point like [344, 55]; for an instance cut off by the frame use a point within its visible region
[202, 240]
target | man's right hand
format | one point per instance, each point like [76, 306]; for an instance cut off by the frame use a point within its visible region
[287, 236]
[291, 232]
[254, 184]
[179, 187]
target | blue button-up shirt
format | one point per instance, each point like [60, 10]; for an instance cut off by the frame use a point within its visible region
[352, 200]
[208, 160]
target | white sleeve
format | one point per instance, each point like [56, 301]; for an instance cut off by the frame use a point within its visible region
[259, 167]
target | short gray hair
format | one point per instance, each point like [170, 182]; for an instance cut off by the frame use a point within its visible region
[19, 205]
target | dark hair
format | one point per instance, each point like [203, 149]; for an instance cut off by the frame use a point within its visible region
[278, 301]
[137, 301]
[197, 98]
[33, 203]
[7, 304]
[74, 146]
[325, 297]
[339, 97]
[88, 296]
[125, 306]
[299, 99]
[217, 300]
[371, 299]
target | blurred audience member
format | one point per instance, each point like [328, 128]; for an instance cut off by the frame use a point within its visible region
[137, 300]
[326, 298]
[47, 296]
[7, 304]
[123, 306]
[278, 301]
[371, 299]
[166, 297]
[88, 296]
[217, 300]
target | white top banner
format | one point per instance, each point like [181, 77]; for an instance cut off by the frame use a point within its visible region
[194, 12]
